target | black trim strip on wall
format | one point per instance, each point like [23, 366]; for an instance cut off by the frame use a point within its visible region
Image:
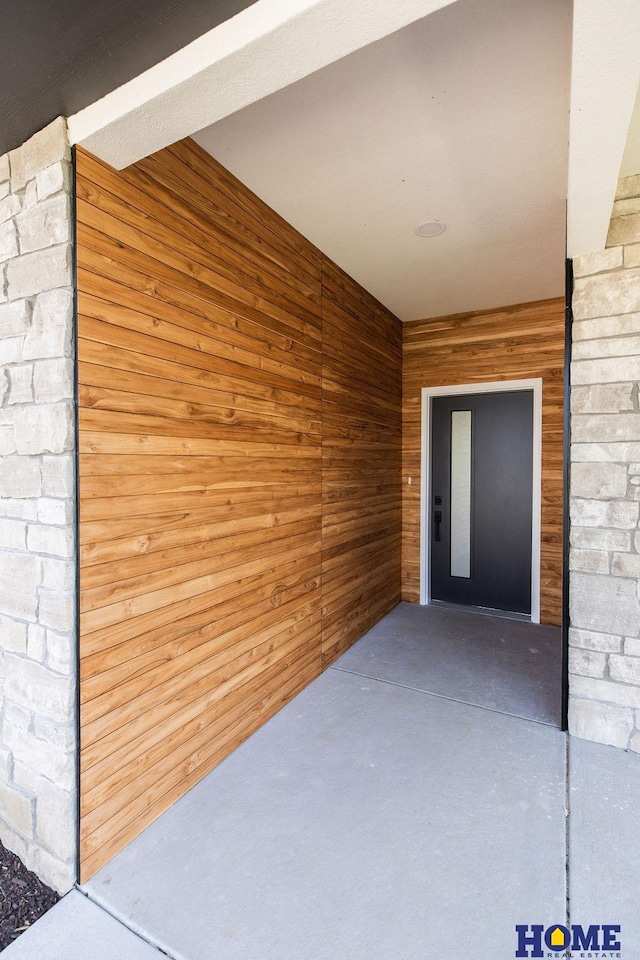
[76, 459]
[566, 481]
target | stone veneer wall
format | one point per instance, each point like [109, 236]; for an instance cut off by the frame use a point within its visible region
[37, 542]
[604, 656]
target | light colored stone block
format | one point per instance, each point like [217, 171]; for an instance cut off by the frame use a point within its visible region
[58, 476]
[25, 778]
[619, 514]
[19, 576]
[624, 230]
[598, 481]
[16, 807]
[625, 565]
[589, 561]
[604, 604]
[17, 715]
[45, 225]
[13, 635]
[600, 722]
[44, 270]
[589, 688]
[588, 640]
[625, 208]
[30, 196]
[6, 765]
[607, 347]
[13, 841]
[5, 171]
[9, 207]
[7, 441]
[12, 349]
[21, 384]
[611, 370]
[59, 875]
[625, 669]
[46, 147]
[605, 427]
[608, 294]
[36, 642]
[51, 332]
[602, 398]
[632, 646]
[19, 509]
[60, 656]
[15, 319]
[55, 819]
[52, 541]
[34, 687]
[628, 187]
[57, 610]
[586, 538]
[590, 263]
[58, 574]
[604, 452]
[53, 380]
[59, 735]
[55, 512]
[632, 255]
[587, 663]
[20, 477]
[8, 241]
[13, 534]
[54, 179]
[44, 428]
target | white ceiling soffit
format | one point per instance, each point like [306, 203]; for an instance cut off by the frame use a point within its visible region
[266, 47]
[605, 73]
[462, 116]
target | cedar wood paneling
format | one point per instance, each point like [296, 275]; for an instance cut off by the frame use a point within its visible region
[240, 458]
[518, 342]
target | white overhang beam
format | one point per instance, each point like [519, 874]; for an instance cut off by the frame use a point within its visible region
[605, 73]
[264, 48]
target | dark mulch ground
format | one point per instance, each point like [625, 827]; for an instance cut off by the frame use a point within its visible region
[23, 898]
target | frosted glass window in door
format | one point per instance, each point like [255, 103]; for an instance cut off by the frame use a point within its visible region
[461, 493]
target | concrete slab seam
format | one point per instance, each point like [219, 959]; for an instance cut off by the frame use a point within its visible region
[440, 696]
[137, 932]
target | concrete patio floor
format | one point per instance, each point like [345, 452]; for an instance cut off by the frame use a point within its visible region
[395, 810]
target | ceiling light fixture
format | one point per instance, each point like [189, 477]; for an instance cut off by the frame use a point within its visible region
[430, 228]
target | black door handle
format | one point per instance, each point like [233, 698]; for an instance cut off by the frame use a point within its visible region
[437, 520]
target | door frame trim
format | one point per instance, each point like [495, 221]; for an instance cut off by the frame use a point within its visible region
[456, 390]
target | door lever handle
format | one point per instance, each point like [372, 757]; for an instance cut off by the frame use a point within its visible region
[437, 520]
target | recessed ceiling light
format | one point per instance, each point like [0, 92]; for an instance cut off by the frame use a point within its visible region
[430, 228]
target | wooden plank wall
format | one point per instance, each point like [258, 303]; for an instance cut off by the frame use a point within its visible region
[361, 461]
[518, 342]
[224, 441]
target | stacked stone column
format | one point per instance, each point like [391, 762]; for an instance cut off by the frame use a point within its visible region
[37, 532]
[604, 662]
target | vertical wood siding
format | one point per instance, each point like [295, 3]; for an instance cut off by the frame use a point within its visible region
[240, 405]
[518, 342]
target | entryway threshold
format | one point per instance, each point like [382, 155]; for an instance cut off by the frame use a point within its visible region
[482, 611]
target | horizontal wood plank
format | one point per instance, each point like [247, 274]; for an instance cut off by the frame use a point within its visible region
[240, 407]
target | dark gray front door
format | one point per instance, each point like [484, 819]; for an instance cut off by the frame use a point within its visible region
[481, 500]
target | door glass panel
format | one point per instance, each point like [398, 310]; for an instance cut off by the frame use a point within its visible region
[461, 493]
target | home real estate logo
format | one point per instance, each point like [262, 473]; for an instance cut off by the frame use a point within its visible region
[594, 941]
